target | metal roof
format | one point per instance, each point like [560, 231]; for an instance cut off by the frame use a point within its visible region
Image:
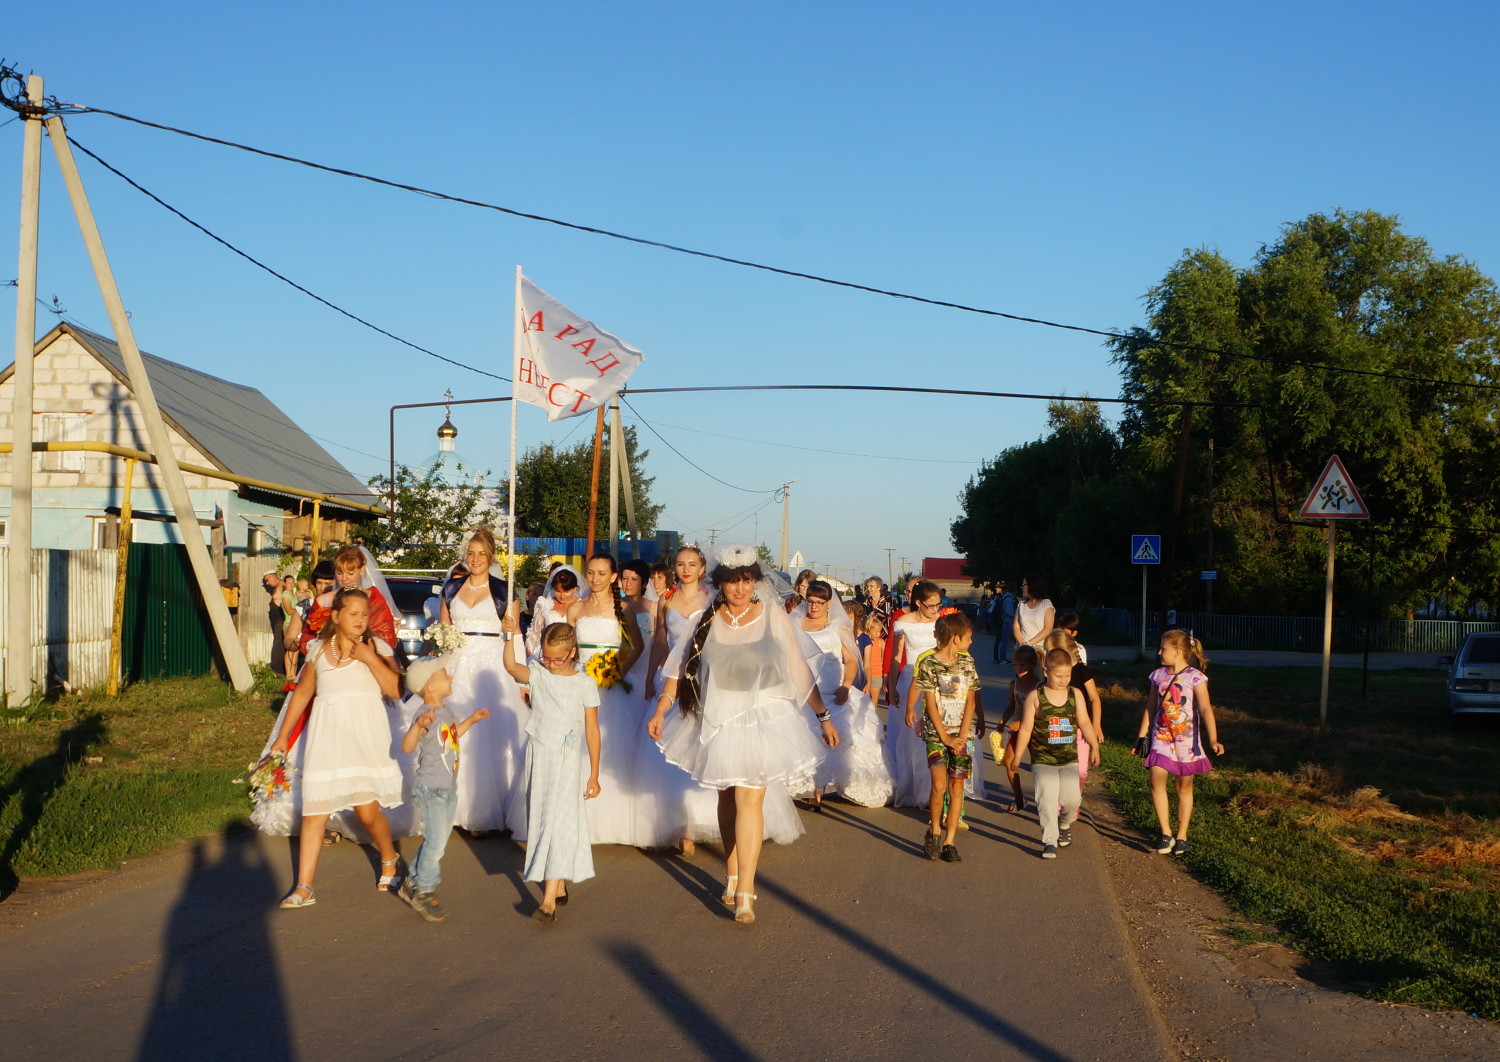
[235, 426]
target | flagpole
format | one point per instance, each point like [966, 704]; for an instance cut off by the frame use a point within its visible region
[515, 376]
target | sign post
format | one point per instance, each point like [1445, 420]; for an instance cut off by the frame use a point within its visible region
[1144, 550]
[1333, 497]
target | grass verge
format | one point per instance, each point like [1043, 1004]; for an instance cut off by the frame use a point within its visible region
[1375, 846]
[87, 781]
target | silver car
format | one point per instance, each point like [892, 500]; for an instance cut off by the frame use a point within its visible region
[1474, 676]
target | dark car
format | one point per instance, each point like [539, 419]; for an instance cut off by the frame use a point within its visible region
[1474, 676]
[414, 607]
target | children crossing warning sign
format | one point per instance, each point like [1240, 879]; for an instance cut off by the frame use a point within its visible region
[1334, 496]
[1145, 549]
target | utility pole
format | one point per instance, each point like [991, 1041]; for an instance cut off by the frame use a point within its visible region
[786, 524]
[713, 537]
[890, 575]
[18, 678]
[1208, 589]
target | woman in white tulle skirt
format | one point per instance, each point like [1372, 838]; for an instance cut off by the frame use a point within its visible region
[740, 684]
[856, 770]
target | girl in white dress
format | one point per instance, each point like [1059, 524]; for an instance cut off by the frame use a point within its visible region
[856, 769]
[490, 782]
[603, 626]
[741, 683]
[911, 635]
[564, 719]
[347, 759]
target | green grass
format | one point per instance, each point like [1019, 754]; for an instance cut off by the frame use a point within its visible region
[88, 781]
[1375, 846]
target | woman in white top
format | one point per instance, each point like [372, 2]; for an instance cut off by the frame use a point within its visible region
[1034, 615]
[911, 635]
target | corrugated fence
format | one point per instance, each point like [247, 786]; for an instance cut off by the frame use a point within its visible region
[72, 599]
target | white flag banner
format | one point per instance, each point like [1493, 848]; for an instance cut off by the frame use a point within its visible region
[567, 364]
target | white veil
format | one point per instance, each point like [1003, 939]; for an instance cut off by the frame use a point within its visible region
[374, 577]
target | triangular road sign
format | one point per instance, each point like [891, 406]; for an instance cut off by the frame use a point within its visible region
[1334, 496]
[1147, 549]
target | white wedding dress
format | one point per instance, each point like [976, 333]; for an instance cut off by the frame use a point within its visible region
[856, 769]
[904, 746]
[491, 781]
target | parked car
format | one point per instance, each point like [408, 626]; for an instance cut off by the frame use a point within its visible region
[414, 607]
[1474, 676]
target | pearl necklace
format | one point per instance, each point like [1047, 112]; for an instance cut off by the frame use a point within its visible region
[733, 620]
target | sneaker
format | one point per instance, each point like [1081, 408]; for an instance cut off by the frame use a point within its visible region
[1163, 844]
[930, 845]
[950, 854]
[424, 903]
[1049, 851]
[1180, 848]
[1064, 837]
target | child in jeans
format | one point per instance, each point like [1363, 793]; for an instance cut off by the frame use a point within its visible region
[947, 680]
[1054, 717]
[433, 736]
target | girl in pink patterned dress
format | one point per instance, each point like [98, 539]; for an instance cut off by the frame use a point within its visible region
[1178, 714]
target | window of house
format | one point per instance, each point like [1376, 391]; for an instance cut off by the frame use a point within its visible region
[4, 532]
[63, 427]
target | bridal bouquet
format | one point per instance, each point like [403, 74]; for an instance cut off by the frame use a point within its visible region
[268, 777]
[446, 637]
[604, 669]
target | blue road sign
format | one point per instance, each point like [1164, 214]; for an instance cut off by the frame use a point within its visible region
[1145, 549]
[1208, 576]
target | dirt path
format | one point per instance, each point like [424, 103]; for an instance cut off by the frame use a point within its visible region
[1228, 991]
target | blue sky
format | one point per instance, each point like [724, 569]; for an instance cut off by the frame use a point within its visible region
[1048, 161]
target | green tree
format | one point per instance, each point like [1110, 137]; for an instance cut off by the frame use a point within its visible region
[552, 490]
[430, 517]
[1350, 291]
[1052, 506]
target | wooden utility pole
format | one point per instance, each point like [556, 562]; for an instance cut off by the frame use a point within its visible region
[594, 483]
[786, 525]
[18, 622]
[622, 461]
[212, 595]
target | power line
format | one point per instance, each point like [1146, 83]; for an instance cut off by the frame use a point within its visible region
[279, 276]
[682, 455]
[1135, 339]
[816, 450]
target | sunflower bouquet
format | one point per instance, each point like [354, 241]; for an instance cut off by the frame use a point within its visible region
[604, 669]
[268, 777]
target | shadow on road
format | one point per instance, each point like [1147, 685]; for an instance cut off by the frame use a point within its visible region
[677, 1004]
[219, 986]
[501, 855]
[945, 994]
[38, 782]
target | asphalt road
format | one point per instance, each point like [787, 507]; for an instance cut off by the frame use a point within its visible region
[863, 950]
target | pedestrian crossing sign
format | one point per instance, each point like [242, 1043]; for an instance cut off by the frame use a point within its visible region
[1334, 496]
[1145, 549]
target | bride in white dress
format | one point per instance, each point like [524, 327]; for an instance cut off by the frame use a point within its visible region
[602, 625]
[743, 683]
[856, 769]
[491, 793]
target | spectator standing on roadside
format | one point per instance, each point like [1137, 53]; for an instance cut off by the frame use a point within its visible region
[1004, 622]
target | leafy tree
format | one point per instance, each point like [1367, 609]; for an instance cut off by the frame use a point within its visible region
[1351, 291]
[430, 517]
[552, 489]
[1051, 506]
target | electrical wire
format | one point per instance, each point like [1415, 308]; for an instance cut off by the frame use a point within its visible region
[1135, 340]
[279, 276]
[647, 424]
[815, 450]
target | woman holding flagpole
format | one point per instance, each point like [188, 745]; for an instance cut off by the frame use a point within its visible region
[492, 768]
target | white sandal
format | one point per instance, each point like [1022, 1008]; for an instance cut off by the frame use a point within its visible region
[729, 894]
[293, 901]
[744, 914]
[388, 882]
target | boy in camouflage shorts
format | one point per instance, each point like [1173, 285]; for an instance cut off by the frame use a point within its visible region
[948, 683]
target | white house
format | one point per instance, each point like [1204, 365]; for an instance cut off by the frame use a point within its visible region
[83, 394]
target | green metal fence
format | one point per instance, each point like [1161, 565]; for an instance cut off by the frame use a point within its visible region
[166, 630]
